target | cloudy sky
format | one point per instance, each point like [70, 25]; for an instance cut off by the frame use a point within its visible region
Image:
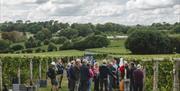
[129, 12]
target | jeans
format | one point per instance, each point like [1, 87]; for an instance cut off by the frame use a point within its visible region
[96, 83]
[83, 85]
[104, 84]
[72, 85]
[138, 87]
[89, 84]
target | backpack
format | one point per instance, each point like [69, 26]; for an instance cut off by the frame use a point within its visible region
[60, 69]
[50, 73]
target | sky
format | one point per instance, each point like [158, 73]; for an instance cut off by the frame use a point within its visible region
[127, 12]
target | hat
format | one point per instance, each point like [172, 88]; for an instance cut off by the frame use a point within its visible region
[104, 61]
[138, 66]
[53, 63]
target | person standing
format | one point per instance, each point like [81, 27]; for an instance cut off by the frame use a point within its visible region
[132, 69]
[60, 71]
[72, 77]
[90, 77]
[138, 78]
[104, 73]
[96, 76]
[52, 75]
[84, 76]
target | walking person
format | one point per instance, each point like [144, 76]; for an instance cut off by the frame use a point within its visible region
[104, 73]
[84, 76]
[52, 75]
[77, 74]
[96, 76]
[60, 71]
[138, 78]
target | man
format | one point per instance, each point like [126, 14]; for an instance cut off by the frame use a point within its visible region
[138, 78]
[104, 72]
[84, 76]
[60, 71]
[71, 75]
[52, 75]
[132, 69]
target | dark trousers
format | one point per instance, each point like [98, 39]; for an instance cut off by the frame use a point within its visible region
[138, 87]
[104, 84]
[96, 83]
[72, 85]
[132, 86]
[83, 85]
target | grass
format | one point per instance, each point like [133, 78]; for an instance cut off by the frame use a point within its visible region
[49, 54]
[115, 47]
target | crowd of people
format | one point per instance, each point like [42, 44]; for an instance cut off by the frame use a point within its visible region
[107, 76]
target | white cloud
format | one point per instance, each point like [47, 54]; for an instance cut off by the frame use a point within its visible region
[95, 11]
[150, 4]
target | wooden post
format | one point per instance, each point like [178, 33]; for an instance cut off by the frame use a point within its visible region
[47, 67]
[40, 70]
[1, 75]
[19, 74]
[155, 78]
[176, 73]
[31, 72]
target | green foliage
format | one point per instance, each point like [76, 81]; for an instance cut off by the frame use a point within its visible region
[148, 42]
[59, 40]
[69, 33]
[38, 50]
[83, 29]
[94, 41]
[67, 45]
[31, 43]
[177, 29]
[46, 42]
[13, 36]
[43, 34]
[175, 41]
[4, 46]
[52, 47]
[17, 47]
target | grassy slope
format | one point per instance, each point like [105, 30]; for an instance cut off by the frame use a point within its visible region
[51, 54]
[116, 47]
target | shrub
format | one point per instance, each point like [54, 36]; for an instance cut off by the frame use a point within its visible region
[31, 43]
[17, 47]
[175, 41]
[38, 50]
[67, 45]
[59, 40]
[4, 46]
[52, 47]
[29, 51]
[46, 42]
[148, 42]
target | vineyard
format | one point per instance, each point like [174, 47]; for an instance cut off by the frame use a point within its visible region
[12, 65]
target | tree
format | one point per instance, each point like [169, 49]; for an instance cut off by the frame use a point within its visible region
[4, 46]
[31, 43]
[43, 34]
[52, 47]
[68, 33]
[83, 29]
[59, 40]
[17, 47]
[148, 42]
[177, 29]
[95, 41]
[13, 36]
